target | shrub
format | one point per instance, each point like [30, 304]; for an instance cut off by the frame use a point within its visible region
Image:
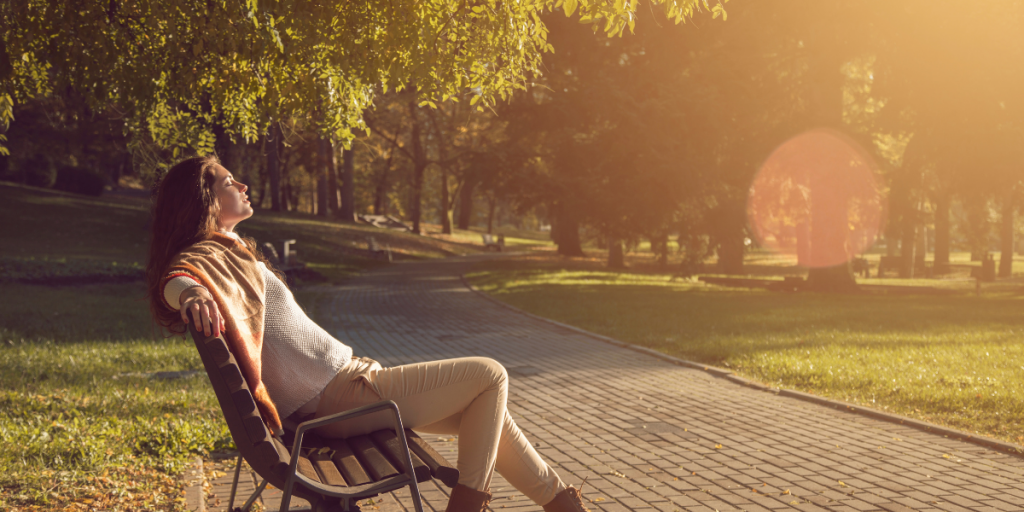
[79, 180]
[37, 171]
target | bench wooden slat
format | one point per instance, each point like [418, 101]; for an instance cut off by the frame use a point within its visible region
[256, 429]
[440, 468]
[305, 468]
[371, 458]
[347, 463]
[243, 402]
[268, 455]
[329, 474]
[232, 376]
[389, 443]
[218, 350]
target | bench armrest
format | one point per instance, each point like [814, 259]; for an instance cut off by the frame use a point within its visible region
[410, 471]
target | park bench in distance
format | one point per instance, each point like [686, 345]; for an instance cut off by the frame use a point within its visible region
[331, 474]
[384, 221]
[287, 262]
[491, 243]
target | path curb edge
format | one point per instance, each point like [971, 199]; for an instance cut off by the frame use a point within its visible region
[728, 375]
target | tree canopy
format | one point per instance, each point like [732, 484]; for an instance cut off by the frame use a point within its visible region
[175, 68]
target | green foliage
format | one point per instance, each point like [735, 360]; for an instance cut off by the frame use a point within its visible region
[178, 67]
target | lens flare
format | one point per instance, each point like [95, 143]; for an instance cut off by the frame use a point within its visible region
[817, 197]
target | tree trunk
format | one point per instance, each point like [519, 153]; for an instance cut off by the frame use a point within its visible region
[1006, 236]
[566, 232]
[828, 218]
[921, 249]
[333, 191]
[446, 204]
[977, 226]
[347, 211]
[274, 165]
[322, 208]
[380, 194]
[616, 258]
[832, 279]
[907, 249]
[829, 236]
[465, 217]
[659, 244]
[941, 264]
[492, 205]
[419, 169]
[730, 254]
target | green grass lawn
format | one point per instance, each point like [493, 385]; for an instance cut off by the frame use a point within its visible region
[952, 358]
[81, 232]
[79, 418]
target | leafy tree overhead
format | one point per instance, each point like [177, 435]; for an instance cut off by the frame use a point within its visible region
[179, 67]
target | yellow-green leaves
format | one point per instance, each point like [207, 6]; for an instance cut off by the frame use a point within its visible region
[241, 64]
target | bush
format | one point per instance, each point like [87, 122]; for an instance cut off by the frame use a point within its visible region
[37, 171]
[79, 180]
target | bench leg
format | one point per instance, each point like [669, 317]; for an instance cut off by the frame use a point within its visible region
[234, 488]
[234, 483]
[255, 494]
[414, 486]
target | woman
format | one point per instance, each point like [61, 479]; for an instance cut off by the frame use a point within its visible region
[296, 369]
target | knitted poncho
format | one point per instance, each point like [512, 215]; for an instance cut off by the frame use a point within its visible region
[228, 270]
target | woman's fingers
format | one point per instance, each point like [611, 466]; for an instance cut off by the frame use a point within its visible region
[194, 308]
[205, 312]
[215, 319]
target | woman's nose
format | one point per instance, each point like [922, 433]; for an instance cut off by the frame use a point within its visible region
[242, 187]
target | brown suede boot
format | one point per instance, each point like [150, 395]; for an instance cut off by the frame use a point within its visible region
[569, 500]
[467, 499]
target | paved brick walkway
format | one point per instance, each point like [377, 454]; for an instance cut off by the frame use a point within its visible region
[651, 435]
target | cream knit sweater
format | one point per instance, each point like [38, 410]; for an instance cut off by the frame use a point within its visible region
[299, 357]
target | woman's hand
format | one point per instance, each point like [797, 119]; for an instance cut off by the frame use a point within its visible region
[199, 301]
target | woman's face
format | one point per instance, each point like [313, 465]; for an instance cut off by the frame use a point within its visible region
[234, 202]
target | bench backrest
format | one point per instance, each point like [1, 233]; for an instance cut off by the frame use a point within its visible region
[266, 454]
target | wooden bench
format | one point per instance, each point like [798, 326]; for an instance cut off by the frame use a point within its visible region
[332, 474]
[287, 261]
[491, 243]
[861, 266]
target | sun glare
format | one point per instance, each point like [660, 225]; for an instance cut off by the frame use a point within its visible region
[817, 197]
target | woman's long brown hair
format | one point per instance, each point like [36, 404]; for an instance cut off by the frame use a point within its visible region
[184, 214]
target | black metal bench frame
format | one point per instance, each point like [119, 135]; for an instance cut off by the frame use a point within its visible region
[383, 465]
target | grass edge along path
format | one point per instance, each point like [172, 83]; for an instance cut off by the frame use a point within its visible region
[962, 398]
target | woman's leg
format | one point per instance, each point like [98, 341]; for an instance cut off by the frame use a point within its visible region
[466, 396]
[517, 461]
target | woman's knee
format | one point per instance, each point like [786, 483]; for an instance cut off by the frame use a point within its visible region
[493, 369]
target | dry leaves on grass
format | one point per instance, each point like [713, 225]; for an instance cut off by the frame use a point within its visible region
[121, 488]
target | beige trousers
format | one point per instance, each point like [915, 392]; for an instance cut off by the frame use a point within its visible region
[464, 397]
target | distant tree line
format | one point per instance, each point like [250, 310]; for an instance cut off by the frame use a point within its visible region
[654, 135]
